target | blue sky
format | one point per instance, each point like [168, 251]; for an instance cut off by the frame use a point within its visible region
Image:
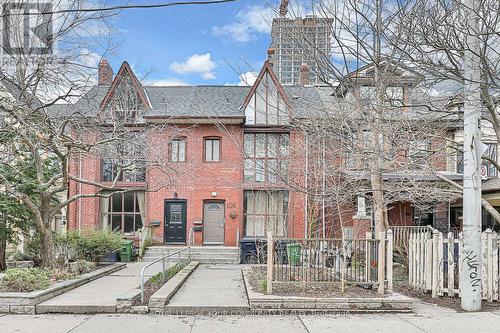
[193, 44]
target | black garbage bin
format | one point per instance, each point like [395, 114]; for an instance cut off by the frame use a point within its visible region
[253, 251]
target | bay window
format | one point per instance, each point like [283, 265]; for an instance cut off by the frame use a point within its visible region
[123, 211]
[266, 157]
[265, 211]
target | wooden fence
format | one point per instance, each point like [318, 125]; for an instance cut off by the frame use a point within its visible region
[435, 263]
[328, 260]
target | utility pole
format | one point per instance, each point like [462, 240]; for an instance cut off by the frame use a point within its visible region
[470, 279]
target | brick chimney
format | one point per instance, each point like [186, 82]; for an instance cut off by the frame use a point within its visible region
[270, 54]
[105, 73]
[303, 75]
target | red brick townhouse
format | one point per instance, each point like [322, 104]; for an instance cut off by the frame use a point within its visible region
[225, 162]
[230, 156]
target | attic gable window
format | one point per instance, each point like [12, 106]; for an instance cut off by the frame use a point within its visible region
[126, 99]
[266, 106]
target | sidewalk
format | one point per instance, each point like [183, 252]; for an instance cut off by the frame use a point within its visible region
[100, 295]
[428, 318]
[212, 287]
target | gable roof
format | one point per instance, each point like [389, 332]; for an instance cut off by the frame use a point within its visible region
[123, 72]
[267, 68]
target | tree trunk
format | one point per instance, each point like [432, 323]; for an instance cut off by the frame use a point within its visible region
[48, 250]
[3, 248]
[3, 243]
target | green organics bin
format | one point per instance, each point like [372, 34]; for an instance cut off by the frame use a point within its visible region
[293, 250]
[127, 252]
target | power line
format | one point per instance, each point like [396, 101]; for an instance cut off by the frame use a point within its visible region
[123, 7]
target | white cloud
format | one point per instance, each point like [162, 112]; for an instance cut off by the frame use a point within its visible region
[167, 82]
[198, 63]
[249, 22]
[247, 79]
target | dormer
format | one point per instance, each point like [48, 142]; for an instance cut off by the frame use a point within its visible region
[398, 84]
[126, 100]
[266, 104]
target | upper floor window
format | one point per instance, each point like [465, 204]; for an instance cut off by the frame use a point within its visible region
[266, 157]
[418, 153]
[123, 171]
[212, 149]
[178, 150]
[491, 152]
[124, 158]
[393, 95]
[266, 106]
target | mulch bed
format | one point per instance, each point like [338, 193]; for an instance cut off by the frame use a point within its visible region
[317, 290]
[156, 282]
[400, 285]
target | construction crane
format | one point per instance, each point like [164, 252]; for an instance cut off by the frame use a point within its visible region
[283, 8]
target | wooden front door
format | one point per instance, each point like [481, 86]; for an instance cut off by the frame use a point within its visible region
[213, 223]
[175, 221]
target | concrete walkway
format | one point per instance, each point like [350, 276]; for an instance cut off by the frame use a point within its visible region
[212, 287]
[428, 318]
[100, 295]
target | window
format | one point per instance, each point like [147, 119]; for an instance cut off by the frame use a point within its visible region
[266, 157]
[123, 170]
[266, 106]
[491, 152]
[123, 211]
[178, 150]
[418, 153]
[124, 158]
[212, 150]
[265, 210]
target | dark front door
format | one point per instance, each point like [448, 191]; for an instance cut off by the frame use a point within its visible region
[213, 223]
[175, 221]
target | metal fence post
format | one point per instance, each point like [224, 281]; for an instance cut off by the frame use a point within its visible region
[163, 269]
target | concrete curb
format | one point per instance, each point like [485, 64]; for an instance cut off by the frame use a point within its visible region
[263, 303]
[26, 303]
[162, 296]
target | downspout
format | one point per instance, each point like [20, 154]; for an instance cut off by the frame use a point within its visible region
[323, 188]
[79, 192]
[306, 196]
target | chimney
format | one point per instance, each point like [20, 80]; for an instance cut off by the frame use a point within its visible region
[304, 75]
[105, 73]
[270, 54]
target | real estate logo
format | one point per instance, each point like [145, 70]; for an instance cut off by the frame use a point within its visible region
[26, 28]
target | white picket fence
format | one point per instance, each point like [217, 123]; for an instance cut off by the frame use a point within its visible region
[436, 267]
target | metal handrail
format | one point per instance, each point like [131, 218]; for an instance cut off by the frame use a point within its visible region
[163, 267]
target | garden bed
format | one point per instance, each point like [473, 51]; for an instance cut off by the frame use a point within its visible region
[32, 279]
[257, 279]
[401, 285]
[157, 281]
[25, 302]
[297, 297]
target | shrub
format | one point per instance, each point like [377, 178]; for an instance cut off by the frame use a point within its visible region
[92, 244]
[82, 267]
[263, 285]
[25, 279]
[61, 273]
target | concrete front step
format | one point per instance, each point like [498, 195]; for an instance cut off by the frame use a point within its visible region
[205, 260]
[204, 254]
